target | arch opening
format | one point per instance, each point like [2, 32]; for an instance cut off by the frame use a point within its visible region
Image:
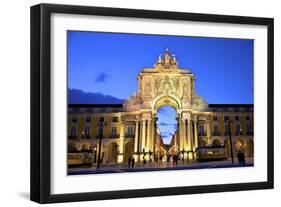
[167, 123]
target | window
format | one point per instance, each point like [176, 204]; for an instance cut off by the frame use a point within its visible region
[101, 119]
[226, 129]
[130, 131]
[201, 130]
[215, 118]
[249, 129]
[114, 119]
[236, 118]
[88, 119]
[237, 129]
[74, 119]
[87, 131]
[113, 132]
[73, 131]
[226, 118]
[216, 130]
[248, 118]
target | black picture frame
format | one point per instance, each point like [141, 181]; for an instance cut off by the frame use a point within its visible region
[41, 95]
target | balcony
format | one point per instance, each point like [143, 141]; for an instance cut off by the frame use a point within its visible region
[216, 134]
[114, 136]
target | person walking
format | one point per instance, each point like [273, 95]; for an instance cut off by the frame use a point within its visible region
[129, 162]
[133, 162]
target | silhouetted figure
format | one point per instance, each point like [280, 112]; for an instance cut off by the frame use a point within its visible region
[133, 162]
[144, 161]
[241, 158]
[129, 162]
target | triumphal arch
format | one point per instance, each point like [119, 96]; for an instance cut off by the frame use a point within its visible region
[165, 85]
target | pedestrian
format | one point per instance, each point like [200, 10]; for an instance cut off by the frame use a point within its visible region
[144, 161]
[133, 162]
[129, 162]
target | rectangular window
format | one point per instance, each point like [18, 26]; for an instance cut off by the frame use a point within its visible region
[226, 129]
[237, 129]
[236, 118]
[113, 132]
[114, 119]
[87, 131]
[201, 130]
[216, 130]
[226, 118]
[215, 118]
[88, 119]
[101, 119]
[74, 119]
[73, 131]
[130, 131]
[248, 118]
[249, 128]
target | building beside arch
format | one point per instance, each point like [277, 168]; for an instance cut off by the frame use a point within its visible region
[123, 131]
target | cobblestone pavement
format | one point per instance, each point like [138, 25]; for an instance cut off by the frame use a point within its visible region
[151, 166]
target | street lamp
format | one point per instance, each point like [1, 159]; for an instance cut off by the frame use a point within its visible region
[100, 135]
[230, 139]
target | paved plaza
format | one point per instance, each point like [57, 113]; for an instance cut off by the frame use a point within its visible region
[152, 166]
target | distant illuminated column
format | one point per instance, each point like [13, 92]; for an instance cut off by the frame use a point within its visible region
[152, 135]
[180, 135]
[208, 129]
[143, 135]
[190, 141]
[121, 143]
[148, 143]
[136, 140]
[184, 137]
[195, 135]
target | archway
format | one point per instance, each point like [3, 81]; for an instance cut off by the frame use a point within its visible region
[167, 123]
[202, 143]
[112, 152]
[216, 143]
[129, 150]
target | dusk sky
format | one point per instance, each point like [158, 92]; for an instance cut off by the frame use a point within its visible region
[109, 63]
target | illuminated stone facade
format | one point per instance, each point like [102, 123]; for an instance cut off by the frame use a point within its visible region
[130, 129]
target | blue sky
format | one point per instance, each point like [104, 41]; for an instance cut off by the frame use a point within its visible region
[108, 63]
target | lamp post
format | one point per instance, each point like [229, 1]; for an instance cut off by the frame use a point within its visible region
[100, 135]
[230, 139]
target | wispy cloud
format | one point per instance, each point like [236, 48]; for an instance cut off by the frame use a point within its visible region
[166, 124]
[101, 77]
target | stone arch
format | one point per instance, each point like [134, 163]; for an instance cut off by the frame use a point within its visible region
[202, 143]
[129, 150]
[71, 148]
[216, 143]
[166, 100]
[85, 146]
[112, 152]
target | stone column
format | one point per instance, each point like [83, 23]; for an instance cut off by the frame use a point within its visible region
[184, 137]
[143, 135]
[180, 135]
[195, 135]
[148, 140]
[136, 144]
[152, 135]
[121, 143]
[208, 126]
[190, 141]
